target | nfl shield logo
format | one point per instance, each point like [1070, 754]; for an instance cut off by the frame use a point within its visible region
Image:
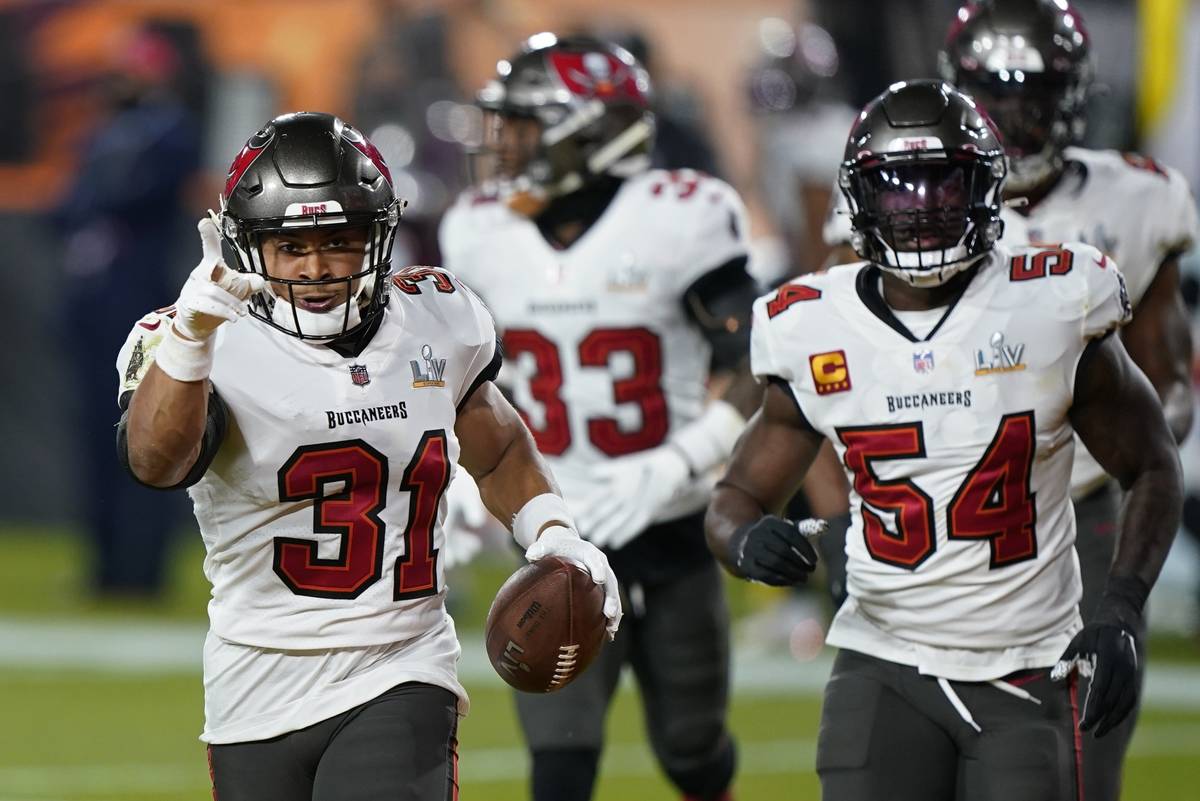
[358, 374]
[923, 361]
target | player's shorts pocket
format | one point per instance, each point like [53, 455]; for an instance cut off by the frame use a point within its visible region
[847, 720]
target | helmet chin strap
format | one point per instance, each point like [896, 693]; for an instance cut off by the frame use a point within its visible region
[314, 324]
[321, 324]
[927, 279]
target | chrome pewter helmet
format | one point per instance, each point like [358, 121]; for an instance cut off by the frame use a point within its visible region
[311, 170]
[1026, 62]
[592, 101]
[923, 173]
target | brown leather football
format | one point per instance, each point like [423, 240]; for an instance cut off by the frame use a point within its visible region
[545, 626]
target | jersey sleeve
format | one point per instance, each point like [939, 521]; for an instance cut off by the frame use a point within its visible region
[137, 354]
[764, 363]
[1107, 305]
[1179, 222]
[485, 356]
[714, 229]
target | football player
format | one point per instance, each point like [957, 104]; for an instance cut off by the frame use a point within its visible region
[316, 440]
[1130, 207]
[949, 373]
[616, 288]
[1028, 64]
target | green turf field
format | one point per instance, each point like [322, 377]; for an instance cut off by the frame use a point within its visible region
[130, 735]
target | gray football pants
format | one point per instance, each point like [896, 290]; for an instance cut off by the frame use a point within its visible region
[887, 732]
[1096, 522]
[400, 746]
[676, 638]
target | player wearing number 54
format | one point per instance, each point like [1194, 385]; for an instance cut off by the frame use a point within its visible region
[315, 407]
[949, 373]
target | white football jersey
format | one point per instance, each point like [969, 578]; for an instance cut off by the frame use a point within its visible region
[321, 511]
[600, 354]
[957, 446]
[1132, 208]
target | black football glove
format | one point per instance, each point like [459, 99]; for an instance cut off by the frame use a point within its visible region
[1107, 648]
[775, 551]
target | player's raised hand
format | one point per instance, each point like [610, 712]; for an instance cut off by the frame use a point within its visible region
[629, 493]
[213, 293]
[565, 543]
[776, 551]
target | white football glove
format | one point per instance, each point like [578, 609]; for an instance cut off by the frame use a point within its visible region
[213, 293]
[563, 542]
[630, 492]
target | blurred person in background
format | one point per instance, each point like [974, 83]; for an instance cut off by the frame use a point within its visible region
[1028, 63]
[680, 139]
[317, 463]
[950, 372]
[408, 101]
[801, 123]
[619, 290]
[121, 214]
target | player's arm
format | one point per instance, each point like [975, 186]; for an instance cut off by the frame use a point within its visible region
[499, 453]
[173, 416]
[719, 305]
[1159, 341]
[164, 428]
[1118, 416]
[1119, 419]
[767, 466]
[518, 488]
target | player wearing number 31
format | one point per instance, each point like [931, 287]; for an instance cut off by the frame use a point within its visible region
[949, 373]
[315, 405]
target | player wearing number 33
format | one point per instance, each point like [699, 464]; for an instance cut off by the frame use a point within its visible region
[315, 406]
[617, 289]
[949, 374]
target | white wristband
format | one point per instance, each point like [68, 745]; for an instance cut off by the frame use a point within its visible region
[185, 359]
[535, 514]
[709, 439]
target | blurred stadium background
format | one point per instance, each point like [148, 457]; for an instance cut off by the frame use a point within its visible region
[109, 104]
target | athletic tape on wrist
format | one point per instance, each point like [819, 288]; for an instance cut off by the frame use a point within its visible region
[185, 359]
[535, 514]
[708, 440]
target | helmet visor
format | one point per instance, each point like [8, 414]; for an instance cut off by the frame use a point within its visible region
[917, 206]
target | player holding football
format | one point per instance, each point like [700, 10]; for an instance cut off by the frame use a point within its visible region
[949, 372]
[316, 441]
[1028, 63]
[615, 286]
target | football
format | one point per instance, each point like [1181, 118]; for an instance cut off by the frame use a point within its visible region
[545, 626]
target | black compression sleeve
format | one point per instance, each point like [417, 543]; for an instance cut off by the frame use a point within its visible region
[719, 303]
[214, 435]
